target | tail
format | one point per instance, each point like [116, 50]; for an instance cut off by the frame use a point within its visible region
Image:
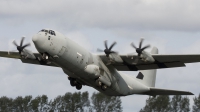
[148, 77]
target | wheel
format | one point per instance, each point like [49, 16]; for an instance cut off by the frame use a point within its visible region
[103, 87]
[47, 57]
[78, 86]
[72, 83]
[98, 83]
[69, 78]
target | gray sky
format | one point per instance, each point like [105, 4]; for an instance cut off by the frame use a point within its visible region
[171, 25]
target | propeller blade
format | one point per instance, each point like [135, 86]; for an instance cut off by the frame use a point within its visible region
[114, 52]
[21, 47]
[106, 44]
[147, 46]
[106, 50]
[22, 41]
[26, 45]
[114, 43]
[141, 41]
[100, 50]
[140, 49]
[132, 44]
[14, 42]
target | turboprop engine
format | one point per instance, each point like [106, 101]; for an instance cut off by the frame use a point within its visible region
[93, 71]
[147, 57]
[24, 53]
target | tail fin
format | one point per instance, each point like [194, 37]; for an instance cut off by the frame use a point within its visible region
[148, 77]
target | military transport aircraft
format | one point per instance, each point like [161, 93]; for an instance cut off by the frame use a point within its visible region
[101, 71]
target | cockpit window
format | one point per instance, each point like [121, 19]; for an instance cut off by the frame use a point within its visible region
[52, 32]
[49, 31]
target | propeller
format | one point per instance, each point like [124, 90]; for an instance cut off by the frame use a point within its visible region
[108, 50]
[21, 47]
[140, 49]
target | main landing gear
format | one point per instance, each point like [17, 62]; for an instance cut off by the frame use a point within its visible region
[74, 82]
[100, 84]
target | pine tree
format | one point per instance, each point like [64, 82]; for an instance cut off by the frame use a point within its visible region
[56, 104]
[104, 103]
[157, 104]
[196, 106]
[43, 105]
[76, 102]
[185, 105]
[180, 104]
[18, 104]
[34, 104]
[175, 103]
[26, 103]
[6, 104]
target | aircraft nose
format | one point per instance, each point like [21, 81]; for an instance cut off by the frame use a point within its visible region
[35, 38]
[39, 42]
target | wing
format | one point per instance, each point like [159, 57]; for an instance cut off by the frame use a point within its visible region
[16, 55]
[157, 91]
[161, 61]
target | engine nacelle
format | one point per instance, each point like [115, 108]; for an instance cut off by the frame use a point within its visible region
[147, 57]
[93, 71]
[115, 58]
[27, 54]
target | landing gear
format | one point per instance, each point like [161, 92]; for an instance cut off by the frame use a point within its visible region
[78, 86]
[101, 85]
[98, 83]
[45, 56]
[73, 82]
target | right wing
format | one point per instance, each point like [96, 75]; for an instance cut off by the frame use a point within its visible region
[16, 55]
[158, 91]
[161, 61]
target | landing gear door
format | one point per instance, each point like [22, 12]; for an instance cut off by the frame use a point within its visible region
[62, 51]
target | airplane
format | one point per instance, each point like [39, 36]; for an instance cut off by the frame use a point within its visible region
[101, 71]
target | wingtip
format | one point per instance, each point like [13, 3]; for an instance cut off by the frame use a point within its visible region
[191, 93]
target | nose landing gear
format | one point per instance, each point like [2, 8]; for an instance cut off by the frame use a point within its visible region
[45, 56]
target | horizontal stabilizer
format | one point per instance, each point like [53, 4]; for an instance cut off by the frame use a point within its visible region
[157, 91]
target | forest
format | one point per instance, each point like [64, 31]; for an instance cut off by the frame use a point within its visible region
[97, 102]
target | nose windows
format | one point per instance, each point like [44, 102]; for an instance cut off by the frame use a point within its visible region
[51, 32]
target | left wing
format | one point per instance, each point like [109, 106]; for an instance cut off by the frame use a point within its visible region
[161, 61]
[16, 55]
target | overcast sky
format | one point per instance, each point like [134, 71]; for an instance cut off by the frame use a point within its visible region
[171, 25]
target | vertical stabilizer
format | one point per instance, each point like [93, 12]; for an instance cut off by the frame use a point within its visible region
[148, 77]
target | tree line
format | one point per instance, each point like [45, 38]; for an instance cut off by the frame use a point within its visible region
[98, 102]
[70, 102]
[176, 103]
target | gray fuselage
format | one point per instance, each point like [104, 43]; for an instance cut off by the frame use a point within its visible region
[74, 59]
